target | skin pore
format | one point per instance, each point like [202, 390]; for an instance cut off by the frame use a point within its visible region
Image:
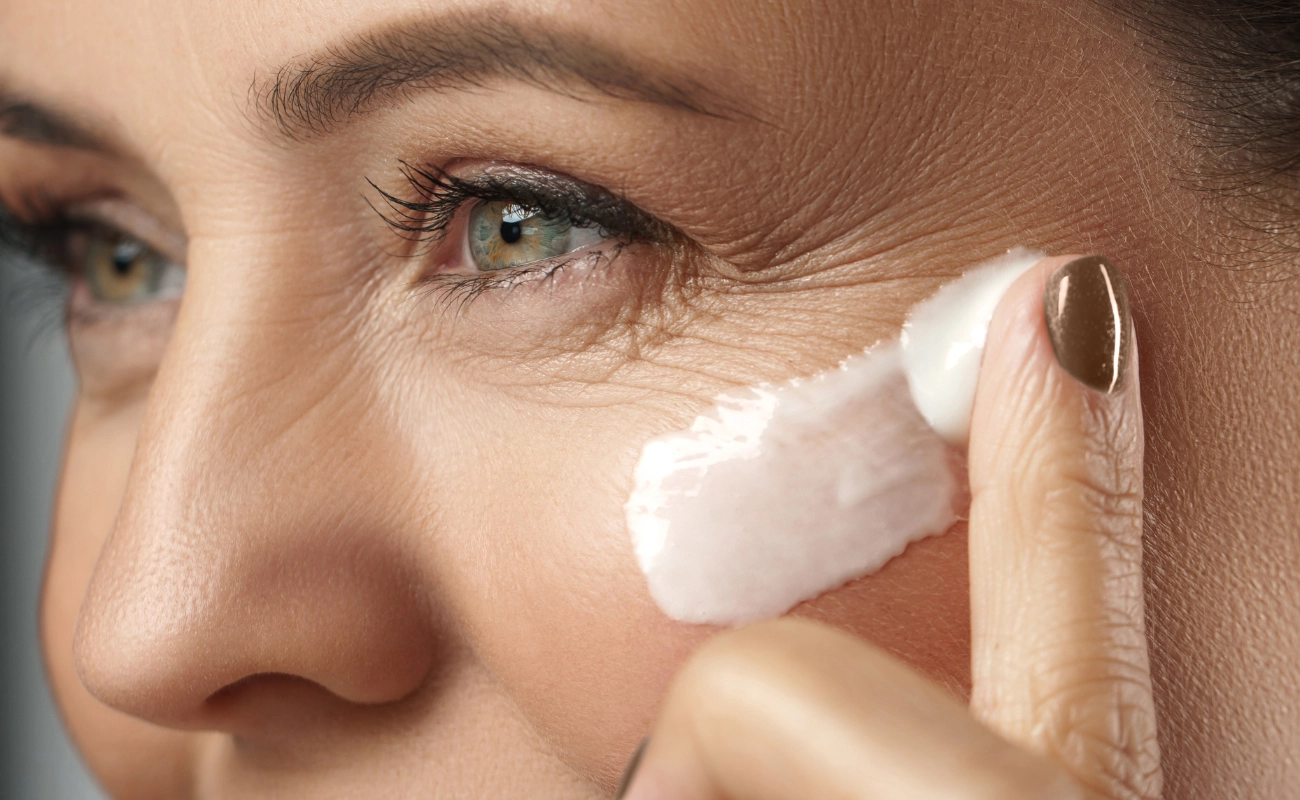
[334, 526]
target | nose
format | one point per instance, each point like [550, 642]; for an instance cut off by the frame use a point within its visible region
[262, 537]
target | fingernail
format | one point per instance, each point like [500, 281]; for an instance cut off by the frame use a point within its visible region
[1087, 310]
[629, 772]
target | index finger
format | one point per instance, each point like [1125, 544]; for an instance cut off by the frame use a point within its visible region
[1059, 647]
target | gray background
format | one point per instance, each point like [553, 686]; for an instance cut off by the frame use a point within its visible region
[36, 760]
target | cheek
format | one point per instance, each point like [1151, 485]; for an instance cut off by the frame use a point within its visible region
[131, 758]
[547, 590]
[917, 608]
[559, 611]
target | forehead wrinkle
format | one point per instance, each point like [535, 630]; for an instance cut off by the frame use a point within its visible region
[316, 94]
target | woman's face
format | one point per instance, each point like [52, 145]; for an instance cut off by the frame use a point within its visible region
[344, 516]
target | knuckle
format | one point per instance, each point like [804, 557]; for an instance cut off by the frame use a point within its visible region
[1105, 475]
[1115, 517]
[1099, 496]
[1104, 732]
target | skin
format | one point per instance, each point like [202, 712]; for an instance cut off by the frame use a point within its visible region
[321, 534]
[1062, 705]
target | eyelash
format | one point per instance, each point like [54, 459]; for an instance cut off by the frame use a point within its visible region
[40, 244]
[39, 282]
[35, 244]
[441, 196]
[458, 291]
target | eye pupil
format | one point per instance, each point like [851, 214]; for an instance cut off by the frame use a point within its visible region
[511, 232]
[124, 258]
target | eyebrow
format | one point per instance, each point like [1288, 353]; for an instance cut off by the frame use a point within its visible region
[316, 94]
[30, 122]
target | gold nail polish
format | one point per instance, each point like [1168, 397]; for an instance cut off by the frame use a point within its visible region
[1088, 322]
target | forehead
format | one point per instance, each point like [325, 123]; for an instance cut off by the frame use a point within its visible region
[115, 60]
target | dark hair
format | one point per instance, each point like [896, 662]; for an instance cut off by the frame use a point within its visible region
[1234, 66]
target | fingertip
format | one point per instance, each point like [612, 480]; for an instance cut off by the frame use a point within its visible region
[1079, 307]
[1016, 373]
[1062, 327]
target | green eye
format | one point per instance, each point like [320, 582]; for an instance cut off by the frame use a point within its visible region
[503, 235]
[122, 270]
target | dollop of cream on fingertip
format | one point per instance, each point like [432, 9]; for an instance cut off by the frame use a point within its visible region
[943, 340]
[779, 493]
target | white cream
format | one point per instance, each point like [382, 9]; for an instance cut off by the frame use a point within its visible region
[943, 340]
[780, 493]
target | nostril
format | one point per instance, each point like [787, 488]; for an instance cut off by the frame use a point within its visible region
[271, 705]
[233, 693]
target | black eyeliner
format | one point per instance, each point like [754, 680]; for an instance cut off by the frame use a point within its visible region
[440, 195]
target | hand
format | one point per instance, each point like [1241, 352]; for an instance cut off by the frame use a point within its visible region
[1061, 704]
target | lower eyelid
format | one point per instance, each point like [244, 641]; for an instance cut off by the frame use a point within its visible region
[459, 289]
[586, 237]
[116, 348]
[578, 321]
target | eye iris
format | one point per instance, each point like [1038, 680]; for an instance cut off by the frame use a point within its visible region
[504, 235]
[119, 269]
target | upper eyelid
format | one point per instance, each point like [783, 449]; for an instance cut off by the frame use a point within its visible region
[586, 193]
[133, 221]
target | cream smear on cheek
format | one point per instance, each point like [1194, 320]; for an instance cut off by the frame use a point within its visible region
[780, 493]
